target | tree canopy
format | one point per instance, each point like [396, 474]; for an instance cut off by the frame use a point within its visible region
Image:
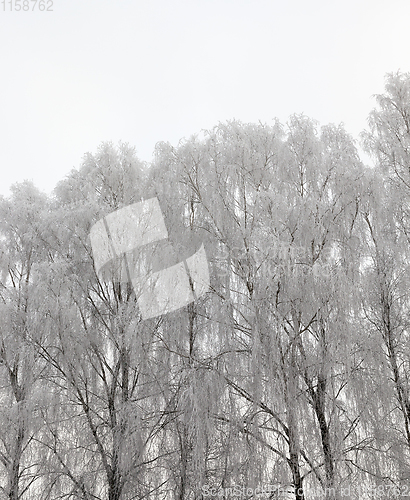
[289, 377]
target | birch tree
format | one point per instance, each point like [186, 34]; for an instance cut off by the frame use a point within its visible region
[22, 249]
[386, 296]
[264, 201]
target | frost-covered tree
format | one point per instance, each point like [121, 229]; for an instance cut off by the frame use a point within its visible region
[22, 249]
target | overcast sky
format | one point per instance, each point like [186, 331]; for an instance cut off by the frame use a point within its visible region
[143, 71]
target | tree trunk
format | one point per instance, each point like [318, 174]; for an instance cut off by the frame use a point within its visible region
[15, 467]
[319, 406]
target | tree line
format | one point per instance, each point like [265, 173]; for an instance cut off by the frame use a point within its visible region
[293, 370]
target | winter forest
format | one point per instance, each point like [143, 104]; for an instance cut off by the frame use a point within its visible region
[289, 378]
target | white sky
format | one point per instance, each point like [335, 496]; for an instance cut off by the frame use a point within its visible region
[143, 71]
